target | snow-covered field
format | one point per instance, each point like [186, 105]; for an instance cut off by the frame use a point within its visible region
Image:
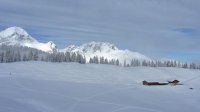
[71, 87]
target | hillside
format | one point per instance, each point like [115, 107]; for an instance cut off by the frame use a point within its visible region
[72, 87]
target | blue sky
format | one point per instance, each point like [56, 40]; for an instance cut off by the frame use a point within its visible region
[156, 28]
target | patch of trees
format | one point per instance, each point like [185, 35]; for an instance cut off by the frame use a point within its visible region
[103, 60]
[10, 54]
[64, 57]
[167, 63]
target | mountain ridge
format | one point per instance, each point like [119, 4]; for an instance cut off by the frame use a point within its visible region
[106, 50]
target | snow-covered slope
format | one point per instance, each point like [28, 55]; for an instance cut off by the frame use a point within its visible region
[18, 36]
[106, 50]
[71, 87]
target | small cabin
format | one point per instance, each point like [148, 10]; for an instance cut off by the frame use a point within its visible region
[174, 82]
[152, 83]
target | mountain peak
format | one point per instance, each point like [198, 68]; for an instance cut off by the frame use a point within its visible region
[16, 34]
[99, 46]
[13, 31]
[52, 45]
[106, 50]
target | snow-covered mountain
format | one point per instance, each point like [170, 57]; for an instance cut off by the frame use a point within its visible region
[106, 50]
[18, 36]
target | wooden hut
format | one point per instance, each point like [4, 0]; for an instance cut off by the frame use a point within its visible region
[152, 83]
[174, 82]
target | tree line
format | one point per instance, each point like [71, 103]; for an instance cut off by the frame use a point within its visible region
[145, 63]
[10, 54]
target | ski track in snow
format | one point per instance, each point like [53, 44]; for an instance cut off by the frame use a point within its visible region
[100, 94]
[123, 107]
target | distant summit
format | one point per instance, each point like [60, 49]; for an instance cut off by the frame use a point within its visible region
[106, 50]
[18, 36]
[15, 35]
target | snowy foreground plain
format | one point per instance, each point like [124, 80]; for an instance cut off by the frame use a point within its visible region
[71, 87]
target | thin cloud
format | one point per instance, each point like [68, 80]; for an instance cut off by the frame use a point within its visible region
[146, 26]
